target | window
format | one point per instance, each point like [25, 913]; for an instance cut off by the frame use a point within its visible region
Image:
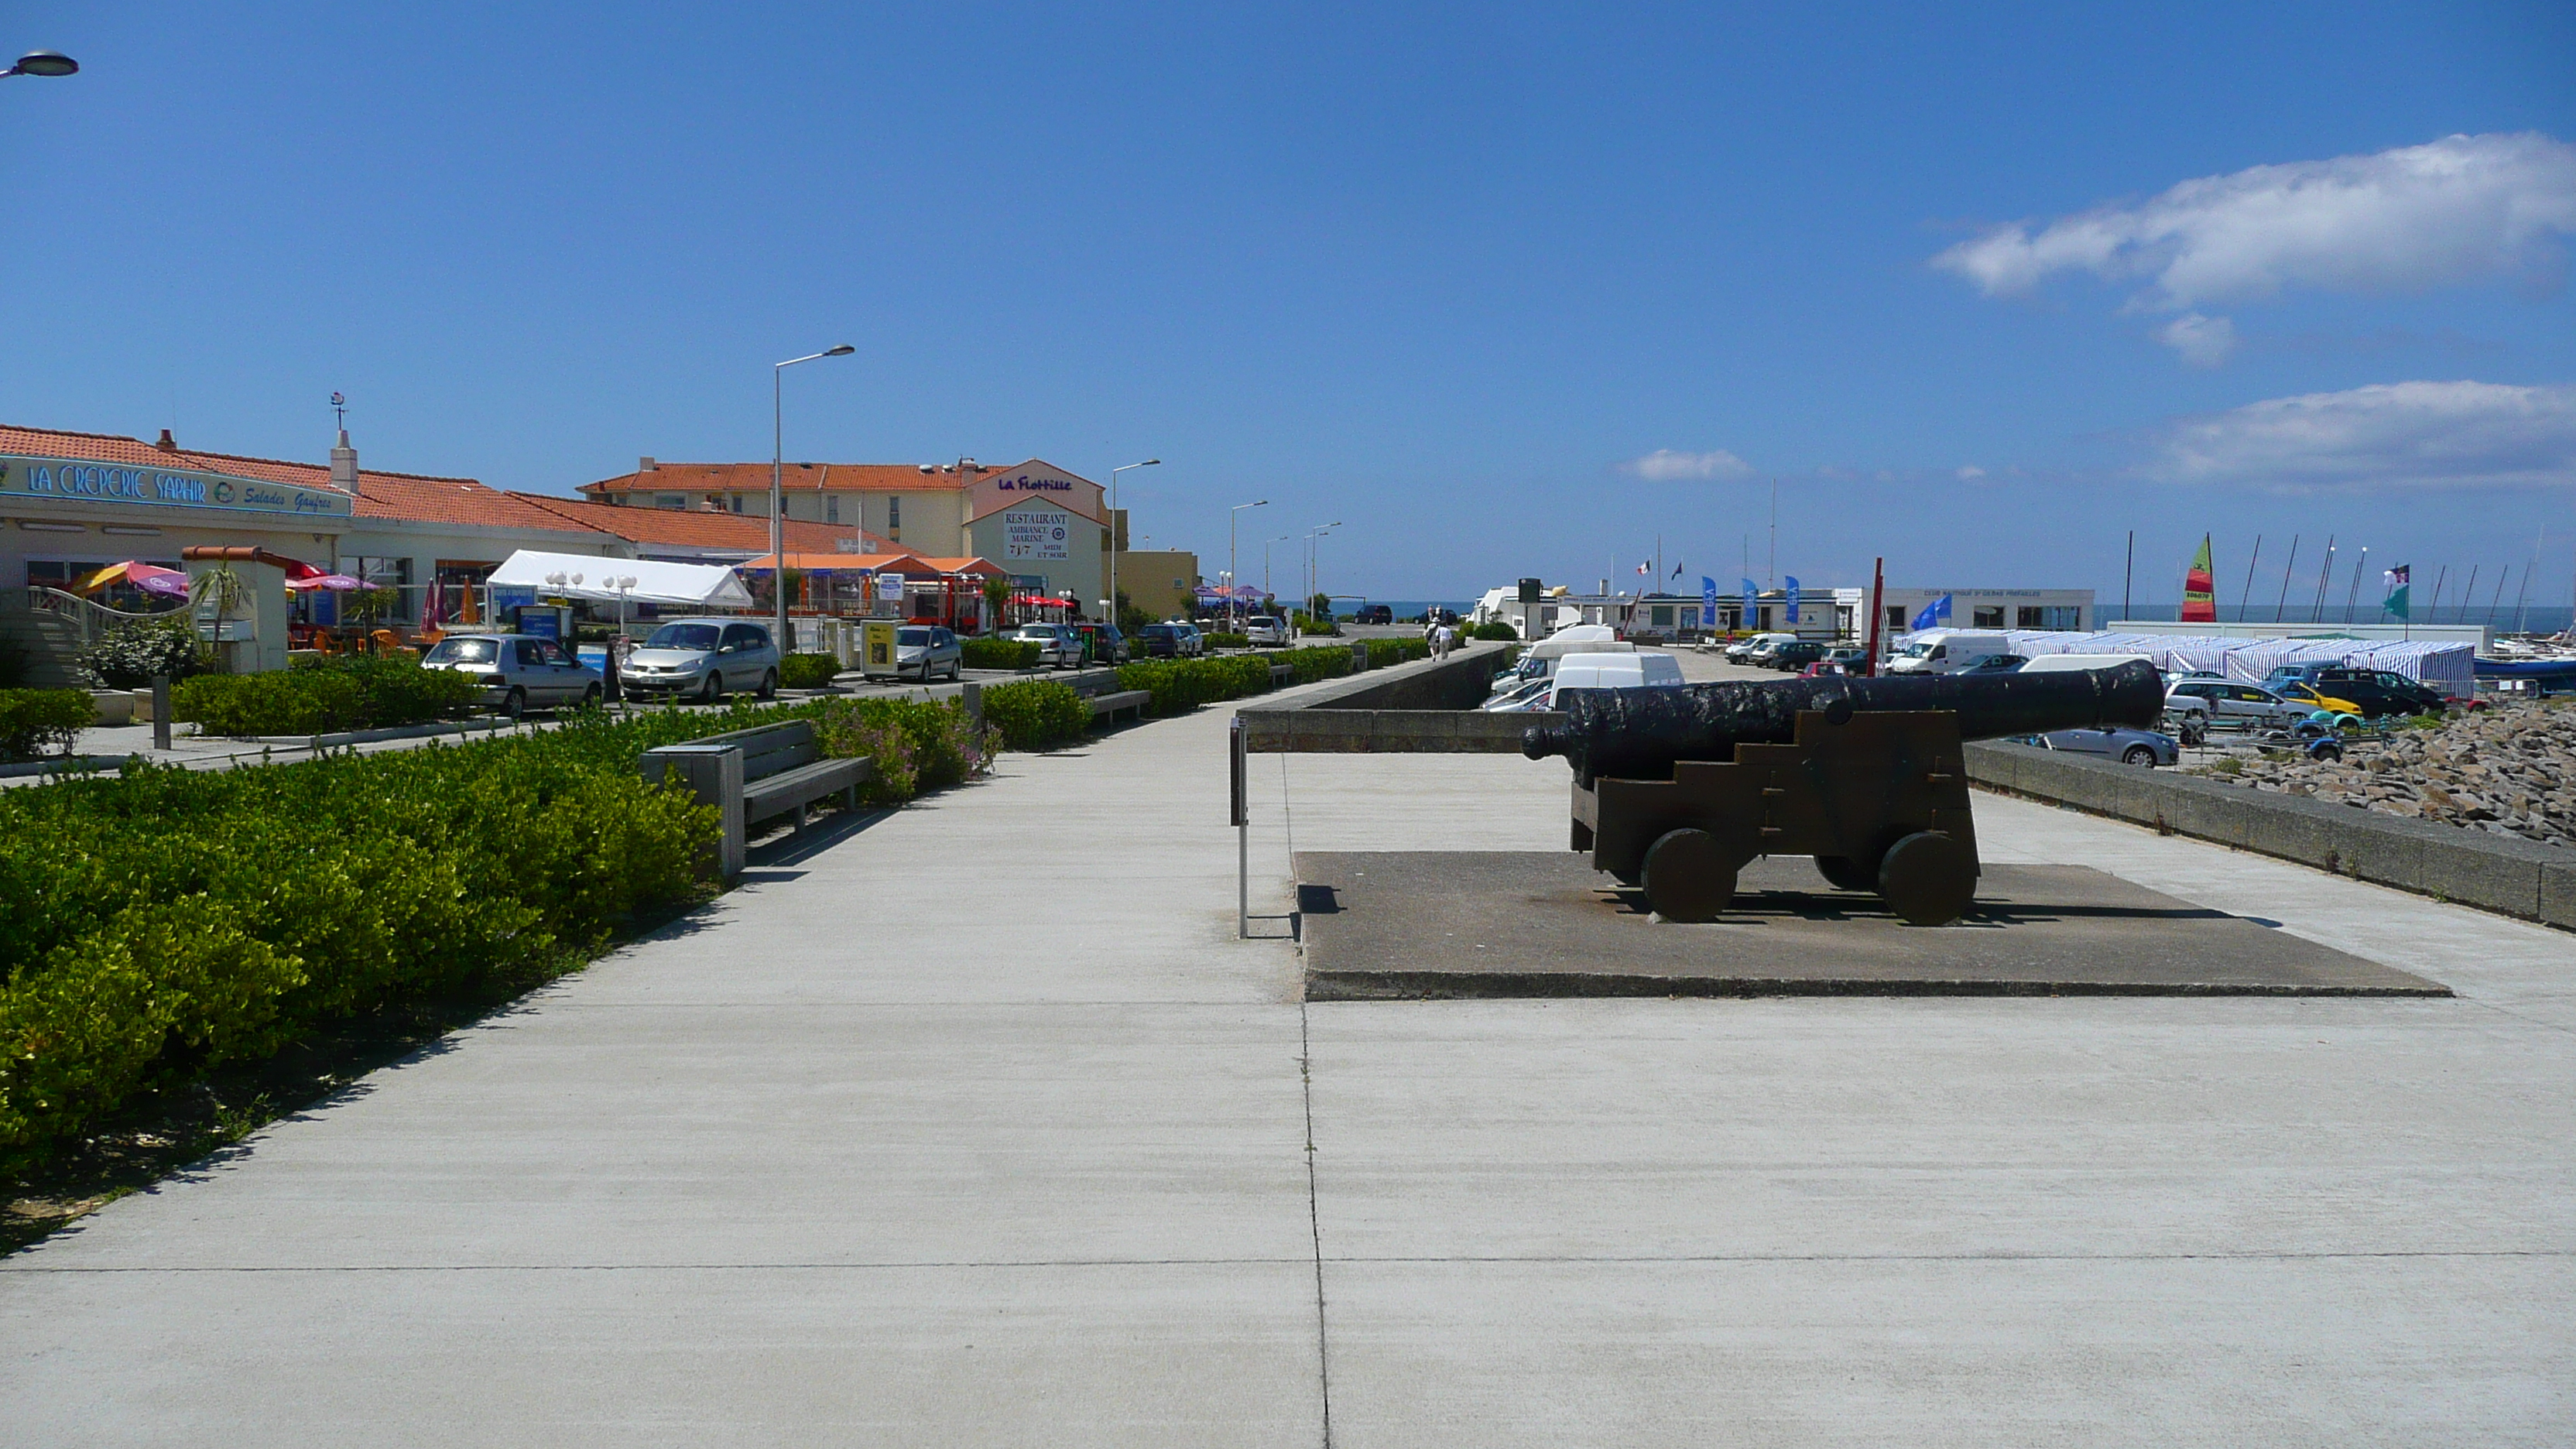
[745, 636]
[1986, 616]
[671, 500]
[2029, 617]
[2062, 616]
[831, 508]
[894, 511]
[460, 651]
[1896, 616]
[531, 652]
[683, 636]
[1663, 616]
[734, 503]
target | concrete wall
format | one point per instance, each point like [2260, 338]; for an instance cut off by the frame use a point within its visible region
[2505, 874]
[1425, 707]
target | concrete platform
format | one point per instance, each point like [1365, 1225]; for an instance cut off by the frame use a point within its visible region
[1389, 924]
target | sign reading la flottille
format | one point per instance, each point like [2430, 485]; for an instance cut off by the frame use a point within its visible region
[72, 480]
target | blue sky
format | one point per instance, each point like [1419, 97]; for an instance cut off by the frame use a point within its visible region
[1507, 289]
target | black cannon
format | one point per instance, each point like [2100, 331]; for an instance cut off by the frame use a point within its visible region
[1678, 789]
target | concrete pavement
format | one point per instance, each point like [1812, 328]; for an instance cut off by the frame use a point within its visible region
[975, 1126]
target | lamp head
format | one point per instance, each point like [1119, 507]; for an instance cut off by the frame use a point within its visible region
[44, 63]
[843, 350]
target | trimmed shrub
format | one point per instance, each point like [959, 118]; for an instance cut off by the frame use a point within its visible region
[349, 692]
[808, 671]
[1495, 630]
[916, 744]
[134, 651]
[36, 722]
[1384, 653]
[1323, 661]
[1035, 713]
[1228, 641]
[1183, 684]
[1000, 653]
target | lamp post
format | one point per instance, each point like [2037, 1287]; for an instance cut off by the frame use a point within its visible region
[1110, 606]
[778, 488]
[1230, 561]
[1265, 563]
[46, 63]
[1315, 566]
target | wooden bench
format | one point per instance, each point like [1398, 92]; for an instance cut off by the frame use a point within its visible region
[783, 770]
[1108, 706]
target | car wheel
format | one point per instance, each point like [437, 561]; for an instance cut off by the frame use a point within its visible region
[956, 670]
[590, 697]
[2138, 755]
[711, 689]
[769, 685]
[514, 704]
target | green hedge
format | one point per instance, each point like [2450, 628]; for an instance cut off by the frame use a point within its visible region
[346, 693]
[36, 722]
[1000, 654]
[1496, 630]
[917, 744]
[808, 671]
[1228, 641]
[1385, 653]
[1035, 713]
[1321, 661]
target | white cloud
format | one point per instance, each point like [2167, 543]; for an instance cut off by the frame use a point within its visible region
[2202, 341]
[2460, 209]
[1664, 466]
[1971, 473]
[2392, 435]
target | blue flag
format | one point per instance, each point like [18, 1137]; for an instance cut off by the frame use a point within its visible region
[1751, 595]
[1793, 598]
[1707, 602]
[1934, 613]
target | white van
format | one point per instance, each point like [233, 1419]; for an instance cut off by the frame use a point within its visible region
[2053, 663]
[1539, 660]
[1945, 651]
[1640, 669]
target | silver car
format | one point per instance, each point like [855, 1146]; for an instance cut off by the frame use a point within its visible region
[2226, 703]
[1057, 648]
[2119, 742]
[929, 650]
[518, 672]
[703, 659]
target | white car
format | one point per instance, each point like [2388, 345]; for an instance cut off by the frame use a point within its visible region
[2227, 702]
[1266, 631]
[1058, 647]
[518, 672]
[1192, 643]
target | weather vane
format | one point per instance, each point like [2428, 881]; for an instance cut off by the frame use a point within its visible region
[340, 412]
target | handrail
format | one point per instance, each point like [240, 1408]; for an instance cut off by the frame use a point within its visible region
[89, 614]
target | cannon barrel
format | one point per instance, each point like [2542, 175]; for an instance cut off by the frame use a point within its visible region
[1637, 734]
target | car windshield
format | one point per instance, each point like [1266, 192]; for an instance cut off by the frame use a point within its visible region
[1037, 631]
[460, 651]
[912, 636]
[683, 636]
[1159, 631]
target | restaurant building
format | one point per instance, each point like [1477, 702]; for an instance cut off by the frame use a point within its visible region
[1047, 526]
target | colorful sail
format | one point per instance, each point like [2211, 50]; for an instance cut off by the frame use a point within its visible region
[2396, 604]
[2199, 589]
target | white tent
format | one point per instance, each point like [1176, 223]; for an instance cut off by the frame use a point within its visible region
[587, 576]
[2443, 664]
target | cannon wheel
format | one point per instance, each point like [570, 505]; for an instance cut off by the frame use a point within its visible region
[1846, 874]
[1928, 879]
[1688, 876]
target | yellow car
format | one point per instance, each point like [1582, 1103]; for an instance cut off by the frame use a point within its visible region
[2313, 700]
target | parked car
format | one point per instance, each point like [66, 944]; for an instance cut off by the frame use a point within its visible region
[1266, 631]
[518, 672]
[1850, 658]
[2226, 703]
[1944, 651]
[1519, 694]
[2306, 695]
[1741, 651]
[1827, 668]
[2119, 742]
[1103, 644]
[1058, 648]
[1193, 643]
[1638, 669]
[929, 650]
[1795, 655]
[1374, 614]
[1161, 641]
[704, 658]
[2378, 691]
[1996, 664]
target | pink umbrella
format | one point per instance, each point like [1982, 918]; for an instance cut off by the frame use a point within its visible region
[337, 583]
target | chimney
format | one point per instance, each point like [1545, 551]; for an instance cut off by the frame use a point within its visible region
[645, 465]
[167, 444]
[344, 465]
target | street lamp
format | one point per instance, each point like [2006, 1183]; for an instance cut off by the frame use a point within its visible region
[1112, 602]
[778, 488]
[1230, 559]
[46, 63]
[1265, 563]
[1315, 565]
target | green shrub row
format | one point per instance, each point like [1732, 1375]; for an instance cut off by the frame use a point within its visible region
[917, 744]
[808, 671]
[1000, 653]
[1495, 630]
[1384, 653]
[349, 692]
[36, 722]
[1034, 714]
[1228, 641]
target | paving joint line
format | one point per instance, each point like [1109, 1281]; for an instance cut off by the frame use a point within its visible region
[1314, 1218]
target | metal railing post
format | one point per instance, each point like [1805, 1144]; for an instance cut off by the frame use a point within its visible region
[1240, 805]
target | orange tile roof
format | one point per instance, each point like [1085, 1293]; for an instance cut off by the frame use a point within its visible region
[894, 563]
[690, 529]
[795, 477]
[400, 497]
[983, 566]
